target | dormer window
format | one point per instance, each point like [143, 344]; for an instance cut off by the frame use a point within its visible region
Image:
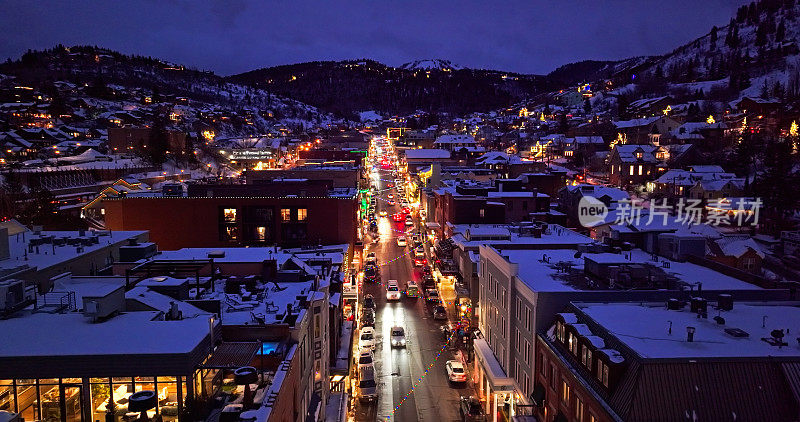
[586, 356]
[639, 155]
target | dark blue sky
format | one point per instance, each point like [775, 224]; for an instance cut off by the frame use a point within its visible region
[232, 36]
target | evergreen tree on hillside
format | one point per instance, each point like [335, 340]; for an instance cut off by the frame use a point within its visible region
[713, 38]
[158, 143]
[780, 33]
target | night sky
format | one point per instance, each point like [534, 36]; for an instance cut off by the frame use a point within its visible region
[232, 36]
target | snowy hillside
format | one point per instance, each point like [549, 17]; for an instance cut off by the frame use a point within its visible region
[757, 52]
[430, 64]
[125, 79]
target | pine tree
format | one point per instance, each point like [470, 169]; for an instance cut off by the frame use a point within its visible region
[158, 143]
[761, 34]
[587, 106]
[713, 38]
[780, 33]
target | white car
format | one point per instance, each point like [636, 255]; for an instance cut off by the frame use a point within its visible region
[409, 221]
[398, 337]
[401, 241]
[456, 371]
[371, 258]
[365, 359]
[392, 290]
[367, 338]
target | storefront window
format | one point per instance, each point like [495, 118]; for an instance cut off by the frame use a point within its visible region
[27, 399]
[71, 394]
[146, 383]
[50, 398]
[211, 381]
[168, 398]
[302, 214]
[121, 389]
[100, 392]
[286, 214]
[184, 392]
[7, 396]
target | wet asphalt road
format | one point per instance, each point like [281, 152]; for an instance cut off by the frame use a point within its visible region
[397, 369]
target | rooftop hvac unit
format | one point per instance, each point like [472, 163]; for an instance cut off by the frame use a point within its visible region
[14, 293]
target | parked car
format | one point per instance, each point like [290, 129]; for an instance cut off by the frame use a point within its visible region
[409, 221]
[471, 410]
[439, 312]
[369, 301]
[371, 258]
[455, 371]
[367, 338]
[367, 387]
[365, 359]
[392, 290]
[401, 241]
[398, 338]
[367, 317]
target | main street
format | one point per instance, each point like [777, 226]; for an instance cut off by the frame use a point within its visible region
[397, 369]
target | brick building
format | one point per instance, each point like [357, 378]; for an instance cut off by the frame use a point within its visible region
[280, 213]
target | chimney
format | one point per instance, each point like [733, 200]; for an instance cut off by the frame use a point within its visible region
[690, 334]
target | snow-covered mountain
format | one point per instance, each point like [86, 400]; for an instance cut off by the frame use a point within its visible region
[430, 64]
[756, 54]
[126, 79]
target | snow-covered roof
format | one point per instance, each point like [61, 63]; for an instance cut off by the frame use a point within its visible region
[735, 246]
[627, 153]
[624, 124]
[455, 139]
[645, 330]
[589, 140]
[43, 256]
[685, 271]
[72, 334]
[426, 154]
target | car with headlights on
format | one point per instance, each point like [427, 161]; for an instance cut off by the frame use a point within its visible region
[398, 338]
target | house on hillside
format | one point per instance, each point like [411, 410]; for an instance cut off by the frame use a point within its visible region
[739, 252]
[632, 164]
[648, 107]
[646, 130]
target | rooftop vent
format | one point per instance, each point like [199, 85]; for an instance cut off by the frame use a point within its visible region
[725, 302]
[216, 254]
[674, 304]
[737, 332]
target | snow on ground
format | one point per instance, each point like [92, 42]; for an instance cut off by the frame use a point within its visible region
[369, 116]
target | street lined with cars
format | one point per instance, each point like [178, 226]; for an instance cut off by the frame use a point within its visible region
[406, 337]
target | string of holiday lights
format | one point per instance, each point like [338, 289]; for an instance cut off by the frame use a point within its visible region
[421, 378]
